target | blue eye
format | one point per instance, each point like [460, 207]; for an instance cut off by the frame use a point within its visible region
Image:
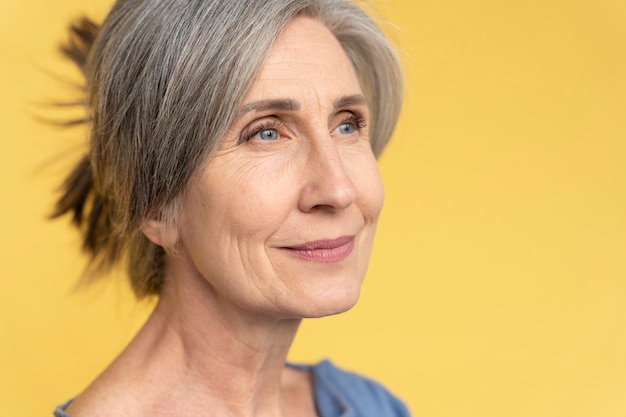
[268, 134]
[263, 131]
[350, 126]
[346, 128]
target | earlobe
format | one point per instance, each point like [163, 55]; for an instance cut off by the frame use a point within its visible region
[159, 233]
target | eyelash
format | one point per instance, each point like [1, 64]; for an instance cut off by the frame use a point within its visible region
[355, 119]
[249, 133]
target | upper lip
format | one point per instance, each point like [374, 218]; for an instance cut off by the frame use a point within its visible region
[322, 244]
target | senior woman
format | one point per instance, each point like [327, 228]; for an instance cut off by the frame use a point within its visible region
[232, 166]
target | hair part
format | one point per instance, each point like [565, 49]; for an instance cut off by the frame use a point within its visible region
[164, 81]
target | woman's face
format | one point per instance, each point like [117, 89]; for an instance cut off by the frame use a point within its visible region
[282, 218]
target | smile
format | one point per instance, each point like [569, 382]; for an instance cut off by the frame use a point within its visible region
[324, 251]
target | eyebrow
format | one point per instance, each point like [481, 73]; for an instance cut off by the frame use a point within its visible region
[290, 105]
[272, 104]
[348, 101]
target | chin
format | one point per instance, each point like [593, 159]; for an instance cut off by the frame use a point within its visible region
[330, 302]
[320, 290]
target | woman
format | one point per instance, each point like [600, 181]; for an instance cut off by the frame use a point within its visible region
[232, 165]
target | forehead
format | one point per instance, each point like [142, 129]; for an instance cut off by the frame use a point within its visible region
[305, 59]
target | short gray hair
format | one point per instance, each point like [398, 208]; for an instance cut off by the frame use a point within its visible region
[165, 79]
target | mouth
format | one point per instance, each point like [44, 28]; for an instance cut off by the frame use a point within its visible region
[323, 251]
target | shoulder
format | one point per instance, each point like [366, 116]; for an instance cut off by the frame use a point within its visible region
[60, 410]
[343, 393]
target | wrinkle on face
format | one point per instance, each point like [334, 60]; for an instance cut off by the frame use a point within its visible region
[247, 201]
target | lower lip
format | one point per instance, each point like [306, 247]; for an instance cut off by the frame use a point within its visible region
[323, 255]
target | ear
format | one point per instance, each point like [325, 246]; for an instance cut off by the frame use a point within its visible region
[159, 232]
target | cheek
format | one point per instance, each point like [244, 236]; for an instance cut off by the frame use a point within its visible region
[377, 193]
[227, 217]
[247, 198]
[369, 184]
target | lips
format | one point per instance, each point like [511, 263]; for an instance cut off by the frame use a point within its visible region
[324, 251]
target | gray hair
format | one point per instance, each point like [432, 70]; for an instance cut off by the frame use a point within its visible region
[165, 79]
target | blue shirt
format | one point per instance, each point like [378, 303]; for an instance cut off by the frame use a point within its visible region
[339, 393]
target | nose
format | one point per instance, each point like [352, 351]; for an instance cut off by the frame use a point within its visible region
[327, 184]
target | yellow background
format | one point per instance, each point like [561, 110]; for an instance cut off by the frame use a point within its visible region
[498, 283]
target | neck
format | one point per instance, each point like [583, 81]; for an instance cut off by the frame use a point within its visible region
[229, 360]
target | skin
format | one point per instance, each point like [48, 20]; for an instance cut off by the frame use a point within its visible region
[295, 167]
